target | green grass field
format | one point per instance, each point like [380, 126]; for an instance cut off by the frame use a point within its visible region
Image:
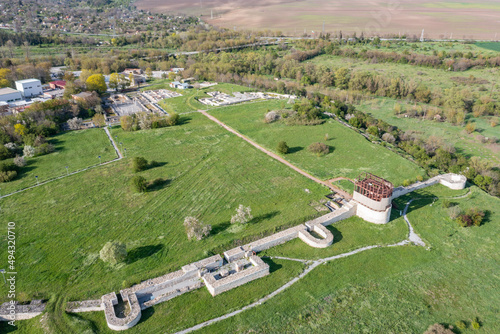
[350, 153]
[383, 108]
[75, 149]
[63, 225]
[395, 290]
[494, 46]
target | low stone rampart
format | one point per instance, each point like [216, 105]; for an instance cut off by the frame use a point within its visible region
[450, 180]
[216, 286]
[312, 241]
[346, 211]
[275, 239]
[14, 311]
[84, 306]
[131, 319]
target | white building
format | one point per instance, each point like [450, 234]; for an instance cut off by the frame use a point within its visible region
[10, 95]
[29, 87]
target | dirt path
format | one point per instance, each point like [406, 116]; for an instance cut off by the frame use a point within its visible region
[412, 238]
[277, 157]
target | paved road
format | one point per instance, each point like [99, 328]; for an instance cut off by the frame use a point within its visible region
[277, 157]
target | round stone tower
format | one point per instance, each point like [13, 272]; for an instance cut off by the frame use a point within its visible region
[372, 195]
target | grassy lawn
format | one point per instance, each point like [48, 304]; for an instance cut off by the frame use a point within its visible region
[395, 290]
[348, 235]
[63, 225]
[383, 108]
[350, 153]
[198, 306]
[75, 149]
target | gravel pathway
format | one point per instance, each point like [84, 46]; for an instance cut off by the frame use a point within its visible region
[412, 238]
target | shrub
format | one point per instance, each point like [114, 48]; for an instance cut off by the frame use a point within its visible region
[139, 164]
[113, 252]
[45, 148]
[8, 176]
[196, 229]
[172, 119]
[126, 123]
[243, 215]
[438, 329]
[406, 183]
[470, 128]
[271, 116]
[29, 151]
[420, 178]
[454, 212]
[283, 147]
[446, 204]
[473, 217]
[475, 324]
[461, 325]
[19, 161]
[4, 152]
[75, 123]
[139, 184]
[319, 148]
[388, 137]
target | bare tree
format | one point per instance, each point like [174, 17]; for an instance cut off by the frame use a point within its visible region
[243, 215]
[75, 123]
[196, 229]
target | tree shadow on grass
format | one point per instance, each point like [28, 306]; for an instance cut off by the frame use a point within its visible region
[143, 252]
[263, 217]
[220, 228]
[146, 314]
[6, 328]
[184, 120]
[83, 324]
[273, 266]
[158, 184]
[154, 164]
[295, 149]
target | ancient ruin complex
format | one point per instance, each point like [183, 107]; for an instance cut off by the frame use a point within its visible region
[371, 201]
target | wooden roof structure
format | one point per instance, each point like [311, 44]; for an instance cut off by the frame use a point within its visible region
[373, 187]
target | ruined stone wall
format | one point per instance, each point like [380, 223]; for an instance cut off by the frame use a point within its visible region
[258, 270]
[17, 311]
[275, 239]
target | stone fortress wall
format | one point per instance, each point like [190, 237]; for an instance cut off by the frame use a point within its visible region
[239, 266]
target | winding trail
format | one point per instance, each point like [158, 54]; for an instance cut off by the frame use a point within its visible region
[412, 238]
[277, 157]
[120, 156]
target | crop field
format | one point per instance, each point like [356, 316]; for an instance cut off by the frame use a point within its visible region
[75, 149]
[439, 19]
[350, 153]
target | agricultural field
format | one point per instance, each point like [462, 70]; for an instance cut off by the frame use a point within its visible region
[439, 19]
[350, 153]
[75, 149]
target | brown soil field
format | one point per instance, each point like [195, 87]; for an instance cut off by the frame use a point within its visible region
[440, 19]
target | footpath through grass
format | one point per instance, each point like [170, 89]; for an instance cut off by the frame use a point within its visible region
[350, 153]
[397, 289]
[207, 172]
[75, 149]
